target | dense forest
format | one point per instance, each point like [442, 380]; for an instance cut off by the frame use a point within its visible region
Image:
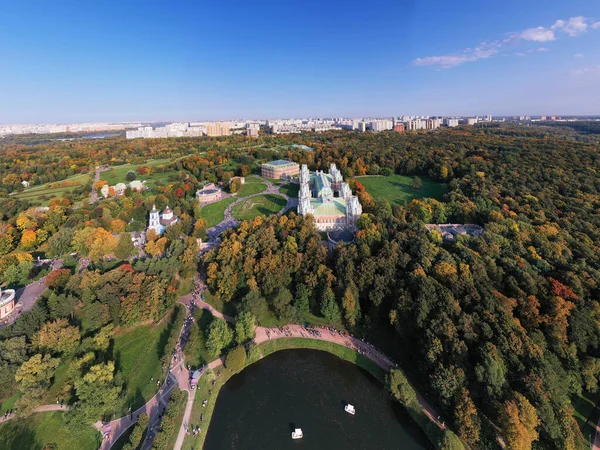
[503, 329]
[501, 332]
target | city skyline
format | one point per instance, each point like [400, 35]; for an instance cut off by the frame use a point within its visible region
[122, 63]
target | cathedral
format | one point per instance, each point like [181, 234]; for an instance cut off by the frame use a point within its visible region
[160, 221]
[328, 199]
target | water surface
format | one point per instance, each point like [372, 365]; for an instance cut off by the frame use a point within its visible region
[259, 407]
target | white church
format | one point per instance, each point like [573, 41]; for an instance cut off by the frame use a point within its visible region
[160, 221]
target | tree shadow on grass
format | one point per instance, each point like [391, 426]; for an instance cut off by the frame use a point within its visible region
[14, 435]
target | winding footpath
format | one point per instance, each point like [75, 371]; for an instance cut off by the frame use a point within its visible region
[230, 222]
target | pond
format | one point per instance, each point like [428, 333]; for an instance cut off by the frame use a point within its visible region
[260, 407]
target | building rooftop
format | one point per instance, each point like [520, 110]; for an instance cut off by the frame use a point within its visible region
[280, 163]
[335, 208]
[6, 296]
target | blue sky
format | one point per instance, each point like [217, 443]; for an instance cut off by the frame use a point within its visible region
[102, 60]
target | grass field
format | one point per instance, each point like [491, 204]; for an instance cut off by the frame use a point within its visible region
[9, 403]
[138, 353]
[117, 173]
[253, 179]
[290, 189]
[259, 205]
[42, 429]
[250, 188]
[51, 190]
[585, 408]
[398, 188]
[215, 212]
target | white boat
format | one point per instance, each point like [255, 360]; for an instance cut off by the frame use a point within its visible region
[297, 434]
[350, 409]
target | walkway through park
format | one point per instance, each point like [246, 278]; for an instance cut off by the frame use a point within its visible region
[229, 221]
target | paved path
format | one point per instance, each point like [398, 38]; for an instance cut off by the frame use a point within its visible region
[28, 295]
[43, 408]
[94, 194]
[229, 221]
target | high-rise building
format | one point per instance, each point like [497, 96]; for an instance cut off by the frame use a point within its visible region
[218, 129]
[252, 129]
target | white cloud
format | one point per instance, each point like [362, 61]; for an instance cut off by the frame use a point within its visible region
[539, 34]
[578, 55]
[586, 70]
[573, 27]
[482, 51]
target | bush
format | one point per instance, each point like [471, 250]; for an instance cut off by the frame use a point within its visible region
[236, 359]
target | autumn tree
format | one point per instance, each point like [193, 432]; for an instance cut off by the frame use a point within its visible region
[519, 421]
[57, 337]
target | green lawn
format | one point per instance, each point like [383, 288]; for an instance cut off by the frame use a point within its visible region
[585, 408]
[42, 429]
[260, 205]
[275, 180]
[9, 403]
[250, 188]
[42, 194]
[58, 385]
[214, 213]
[253, 179]
[138, 353]
[195, 352]
[290, 189]
[117, 173]
[398, 188]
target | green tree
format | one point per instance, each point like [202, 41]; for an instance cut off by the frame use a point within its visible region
[400, 388]
[130, 175]
[218, 337]
[97, 394]
[125, 247]
[60, 242]
[329, 307]
[255, 304]
[302, 300]
[416, 183]
[236, 359]
[244, 327]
